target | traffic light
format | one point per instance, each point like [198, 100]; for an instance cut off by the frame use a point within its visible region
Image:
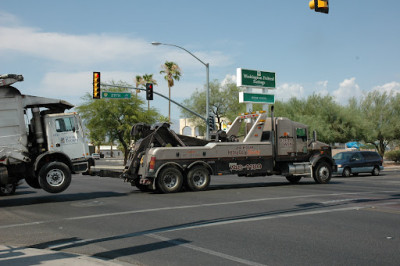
[319, 6]
[149, 91]
[96, 85]
[211, 123]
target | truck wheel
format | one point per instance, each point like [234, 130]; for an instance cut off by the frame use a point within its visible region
[7, 190]
[141, 187]
[33, 182]
[322, 173]
[198, 178]
[169, 180]
[55, 177]
[346, 172]
[294, 179]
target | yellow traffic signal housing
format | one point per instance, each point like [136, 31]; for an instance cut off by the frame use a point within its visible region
[96, 85]
[319, 6]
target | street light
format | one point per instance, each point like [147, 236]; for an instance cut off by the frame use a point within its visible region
[208, 83]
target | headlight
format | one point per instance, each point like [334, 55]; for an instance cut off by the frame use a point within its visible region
[339, 166]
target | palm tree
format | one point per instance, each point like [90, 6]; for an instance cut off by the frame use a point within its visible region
[148, 78]
[139, 81]
[172, 72]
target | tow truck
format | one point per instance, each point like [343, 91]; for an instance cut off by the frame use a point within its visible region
[161, 160]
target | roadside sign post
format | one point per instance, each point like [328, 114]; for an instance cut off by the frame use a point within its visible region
[253, 80]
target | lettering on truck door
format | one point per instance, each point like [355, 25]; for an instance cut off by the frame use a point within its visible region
[66, 137]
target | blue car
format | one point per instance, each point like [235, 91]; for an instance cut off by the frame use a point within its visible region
[355, 162]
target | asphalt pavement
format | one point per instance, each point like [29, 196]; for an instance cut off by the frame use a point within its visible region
[17, 255]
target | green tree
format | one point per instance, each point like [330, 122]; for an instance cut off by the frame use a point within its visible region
[382, 115]
[224, 103]
[114, 118]
[332, 122]
[148, 78]
[139, 81]
[172, 72]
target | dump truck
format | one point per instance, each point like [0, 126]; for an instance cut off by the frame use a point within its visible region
[162, 160]
[43, 146]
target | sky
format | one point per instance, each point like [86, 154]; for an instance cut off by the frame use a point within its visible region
[56, 45]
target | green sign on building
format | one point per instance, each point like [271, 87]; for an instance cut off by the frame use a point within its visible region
[116, 95]
[255, 78]
[245, 97]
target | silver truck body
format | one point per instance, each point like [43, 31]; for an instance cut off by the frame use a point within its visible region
[271, 146]
[44, 146]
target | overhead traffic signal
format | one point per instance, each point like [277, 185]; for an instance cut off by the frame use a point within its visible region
[319, 6]
[149, 91]
[211, 123]
[96, 85]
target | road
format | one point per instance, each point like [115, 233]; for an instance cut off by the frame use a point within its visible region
[238, 221]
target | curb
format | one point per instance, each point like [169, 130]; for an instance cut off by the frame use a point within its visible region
[21, 256]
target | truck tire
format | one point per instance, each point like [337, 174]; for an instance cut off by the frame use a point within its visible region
[141, 187]
[33, 182]
[7, 190]
[55, 177]
[169, 180]
[198, 178]
[293, 179]
[322, 173]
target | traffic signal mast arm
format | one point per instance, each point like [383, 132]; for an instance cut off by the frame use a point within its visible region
[159, 94]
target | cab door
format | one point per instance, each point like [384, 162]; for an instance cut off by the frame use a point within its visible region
[67, 136]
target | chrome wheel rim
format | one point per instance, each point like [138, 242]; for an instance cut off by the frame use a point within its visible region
[55, 177]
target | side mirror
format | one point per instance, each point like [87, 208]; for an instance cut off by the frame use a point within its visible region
[314, 136]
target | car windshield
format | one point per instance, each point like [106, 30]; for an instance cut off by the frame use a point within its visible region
[342, 156]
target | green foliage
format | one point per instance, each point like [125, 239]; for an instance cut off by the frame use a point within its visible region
[393, 156]
[113, 118]
[331, 121]
[224, 103]
[172, 72]
[373, 120]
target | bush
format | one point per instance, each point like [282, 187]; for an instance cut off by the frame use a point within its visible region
[393, 155]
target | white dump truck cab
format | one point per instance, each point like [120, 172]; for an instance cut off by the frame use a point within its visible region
[38, 141]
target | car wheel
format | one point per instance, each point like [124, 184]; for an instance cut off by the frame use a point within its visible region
[169, 180]
[322, 173]
[346, 172]
[7, 190]
[293, 179]
[54, 177]
[198, 178]
[375, 171]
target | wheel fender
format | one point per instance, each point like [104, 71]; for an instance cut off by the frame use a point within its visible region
[50, 157]
[314, 160]
[165, 165]
[202, 163]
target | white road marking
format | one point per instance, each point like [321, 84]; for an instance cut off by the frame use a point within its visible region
[189, 207]
[207, 251]
[152, 233]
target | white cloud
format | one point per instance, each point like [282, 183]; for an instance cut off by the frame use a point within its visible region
[8, 19]
[228, 79]
[389, 87]
[286, 91]
[74, 49]
[347, 89]
[322, 88]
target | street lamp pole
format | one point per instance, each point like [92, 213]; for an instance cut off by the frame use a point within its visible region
[207, 65]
